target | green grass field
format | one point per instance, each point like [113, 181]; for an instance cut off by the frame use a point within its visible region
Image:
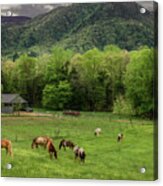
[105, 158]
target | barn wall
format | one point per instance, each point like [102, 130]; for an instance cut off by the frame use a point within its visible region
[7, 109]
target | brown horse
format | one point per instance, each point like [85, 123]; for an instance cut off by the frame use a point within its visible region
[79, 153]
[7, 145]
[51, 149]
[66, 143]
[40, 141]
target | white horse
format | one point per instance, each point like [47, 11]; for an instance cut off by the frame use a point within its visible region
[97, 131]
[79, 153]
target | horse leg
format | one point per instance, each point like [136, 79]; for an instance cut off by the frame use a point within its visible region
[10, 151]
[55, 154]
[37, 145]
[6, 151]
[33, 145]
[76, 156]
[50, 155]
[82, 160]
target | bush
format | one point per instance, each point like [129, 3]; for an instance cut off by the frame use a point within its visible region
[122, 106]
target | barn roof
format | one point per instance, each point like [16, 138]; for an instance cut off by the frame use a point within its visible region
[12, 98]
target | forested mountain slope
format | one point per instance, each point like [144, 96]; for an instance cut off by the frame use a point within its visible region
[82, 27]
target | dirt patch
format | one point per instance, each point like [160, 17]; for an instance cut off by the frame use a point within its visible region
[28, 114]
[34, 114]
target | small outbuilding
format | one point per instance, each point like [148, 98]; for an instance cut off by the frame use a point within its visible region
[12, 102]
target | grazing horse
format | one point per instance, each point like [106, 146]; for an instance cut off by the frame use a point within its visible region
[51, 149]
[97, 131]
[119, 137]
[79, 153]
[7, 145]
[40, 140]
[66, 143]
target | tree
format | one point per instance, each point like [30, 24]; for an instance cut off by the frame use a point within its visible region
[39, 78]
[8, 69]
[87, 68]
[56, 96]
[122, 106]
[57, 66]
[139, 81]
[115, 61]
[25, 73]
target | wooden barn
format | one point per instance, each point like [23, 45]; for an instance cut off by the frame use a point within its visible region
[12, 102]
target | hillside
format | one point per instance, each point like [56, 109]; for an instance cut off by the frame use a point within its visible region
[82, 27]
[14, 19]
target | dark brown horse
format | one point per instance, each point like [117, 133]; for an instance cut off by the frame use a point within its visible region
[6, 144]
[79, 153]
[66, 143]
[51, 149]
[40, 141]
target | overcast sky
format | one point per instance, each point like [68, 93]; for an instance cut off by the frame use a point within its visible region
[32, 10]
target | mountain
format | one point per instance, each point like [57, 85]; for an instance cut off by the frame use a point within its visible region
[81, 27]
[14, 19]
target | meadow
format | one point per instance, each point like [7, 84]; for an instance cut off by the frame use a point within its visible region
[105, 158]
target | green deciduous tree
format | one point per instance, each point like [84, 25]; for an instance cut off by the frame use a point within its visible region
[8, 73]
[86, 67]
[25, 73]
[57, 65]
[139, 81]
[114, 67]
[97, 80]
[56, 96]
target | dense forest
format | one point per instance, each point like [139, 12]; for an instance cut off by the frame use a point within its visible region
[89, 57]
[112, 79]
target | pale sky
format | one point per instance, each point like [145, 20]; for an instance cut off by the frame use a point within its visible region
[32, 10]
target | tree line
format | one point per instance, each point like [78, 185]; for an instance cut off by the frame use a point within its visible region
[111, 79]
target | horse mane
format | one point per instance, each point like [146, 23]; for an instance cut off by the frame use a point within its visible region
[51, 148]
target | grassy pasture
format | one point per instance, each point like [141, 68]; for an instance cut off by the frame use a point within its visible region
[105, 158]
